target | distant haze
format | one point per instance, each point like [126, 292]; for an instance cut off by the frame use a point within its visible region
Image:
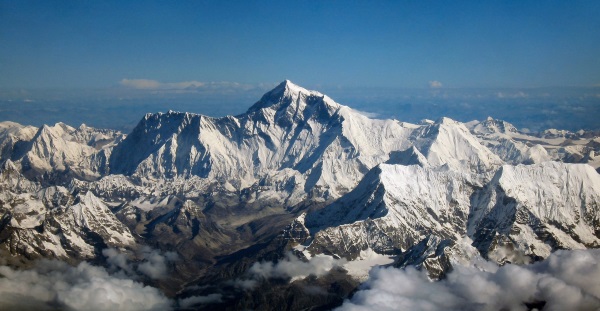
[121, 108]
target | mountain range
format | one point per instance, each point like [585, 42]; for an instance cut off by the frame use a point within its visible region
[297, 181]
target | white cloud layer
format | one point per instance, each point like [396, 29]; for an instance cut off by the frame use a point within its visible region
[147, 84]
[56, 285]
[289, 267]
[371, 115]
[435, 84]
[567, 280]
[295, 268]
[200, 300]
[152, 264]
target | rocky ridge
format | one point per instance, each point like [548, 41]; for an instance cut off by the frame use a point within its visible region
[297, 172]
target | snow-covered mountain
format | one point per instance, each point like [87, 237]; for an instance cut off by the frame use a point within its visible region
[61, 151]
[529, 209]
[53, 222]
[537, 209]
[515, 147]
[290, 128]
[297, 172]
[393, 208]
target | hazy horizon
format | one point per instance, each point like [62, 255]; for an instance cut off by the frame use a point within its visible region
[108, 63]
[570, 108]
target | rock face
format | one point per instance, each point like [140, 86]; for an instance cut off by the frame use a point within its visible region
[57, 153]
[290, 128]
[297, 172]
[53, 222]
[393, 208]
[538, 208]
[530, 209]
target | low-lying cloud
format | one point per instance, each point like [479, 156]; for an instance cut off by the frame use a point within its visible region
[435, 84]
[290, 267]
[52, 284]
[371, 115]
[147, 84]
[151, 263]
[567, 280]
[55, 285]
[200, 300]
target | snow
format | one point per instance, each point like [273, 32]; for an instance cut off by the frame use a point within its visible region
[28, 214]
[515, 147]
[393, 207]
[553, 199]
[331, 145]
[394, 183]
[147, 204]
[367, 259]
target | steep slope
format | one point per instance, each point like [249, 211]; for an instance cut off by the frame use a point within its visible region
[501, 138]
[537, 208]
[52, 222]
[449, 143]
[393, 208]
[11, 135]
[289, 128]
[61, 151]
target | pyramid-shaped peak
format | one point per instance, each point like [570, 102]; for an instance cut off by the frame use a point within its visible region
[284, 93]
[290, 87]
[288, 83]
[446, 121]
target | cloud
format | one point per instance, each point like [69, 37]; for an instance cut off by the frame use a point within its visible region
[292, 267]
[190, 86]
[117, 261]
[146, 84]
[153, 263]
[566, 280]
[196, 300]
[512, 95]
[435, 84]
[371, 115]
[505, 254]
[142, 84]
[55, 285]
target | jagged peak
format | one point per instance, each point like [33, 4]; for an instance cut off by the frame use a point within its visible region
[64, 127]
[58, 129]
[291, 87]
[47, 131]
[445, 121]
[285, 92]
[492, 125]
[174, 113]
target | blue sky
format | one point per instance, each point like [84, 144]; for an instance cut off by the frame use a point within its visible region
[107, 63]
[403, 44]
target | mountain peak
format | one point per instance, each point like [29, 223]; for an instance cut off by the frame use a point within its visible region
[283, 94]
[290, 86]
